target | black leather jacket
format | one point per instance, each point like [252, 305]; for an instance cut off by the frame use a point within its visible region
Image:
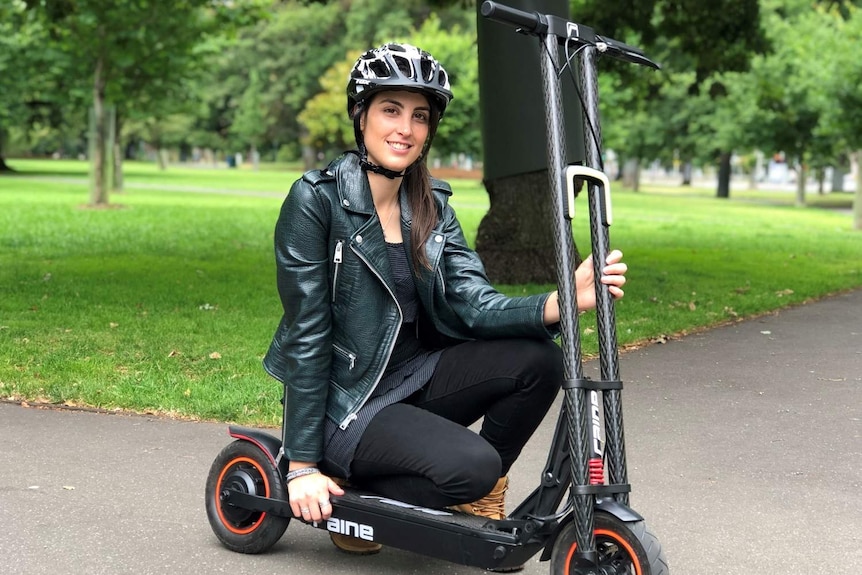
[341, 318]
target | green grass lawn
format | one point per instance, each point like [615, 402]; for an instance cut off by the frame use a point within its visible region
[165, 303]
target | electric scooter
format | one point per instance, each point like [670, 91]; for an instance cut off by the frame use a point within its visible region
[579, 515]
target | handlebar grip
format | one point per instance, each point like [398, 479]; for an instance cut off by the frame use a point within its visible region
[530, 22]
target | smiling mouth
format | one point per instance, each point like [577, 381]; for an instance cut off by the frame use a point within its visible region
[399, 145]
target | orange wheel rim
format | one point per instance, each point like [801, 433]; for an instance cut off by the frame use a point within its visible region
[616, 539]
[221, 516]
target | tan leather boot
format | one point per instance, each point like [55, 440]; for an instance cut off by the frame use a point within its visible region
[354, 545]
[493, 505]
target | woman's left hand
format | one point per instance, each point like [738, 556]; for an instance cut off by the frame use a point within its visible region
[613, 275]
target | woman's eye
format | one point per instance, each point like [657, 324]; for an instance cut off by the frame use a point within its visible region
[421, 117]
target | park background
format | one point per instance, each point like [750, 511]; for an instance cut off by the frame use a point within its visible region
[146, 146]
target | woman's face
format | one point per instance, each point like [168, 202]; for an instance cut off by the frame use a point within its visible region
[395, 128]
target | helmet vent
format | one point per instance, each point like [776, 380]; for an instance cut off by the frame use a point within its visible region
[379, 69]
[404, 66]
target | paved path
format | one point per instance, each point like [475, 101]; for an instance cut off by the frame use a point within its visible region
[744, 452]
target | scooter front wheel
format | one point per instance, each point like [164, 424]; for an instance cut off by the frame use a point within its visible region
[623, 549]
[242, 466]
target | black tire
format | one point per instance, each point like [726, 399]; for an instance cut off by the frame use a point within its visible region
[243, 466]
[623, 549]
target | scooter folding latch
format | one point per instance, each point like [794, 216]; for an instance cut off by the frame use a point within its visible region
[592, 176]
[592, 385]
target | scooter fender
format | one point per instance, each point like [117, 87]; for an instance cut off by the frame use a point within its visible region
[608, 505]
[270, 445]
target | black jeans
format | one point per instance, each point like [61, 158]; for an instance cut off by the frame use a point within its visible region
[421, 450]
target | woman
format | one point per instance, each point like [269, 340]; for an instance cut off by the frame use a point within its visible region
[392, 340]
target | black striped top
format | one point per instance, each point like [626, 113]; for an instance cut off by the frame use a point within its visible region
[410, 368]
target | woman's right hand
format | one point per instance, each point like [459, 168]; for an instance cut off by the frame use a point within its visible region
[309, 496]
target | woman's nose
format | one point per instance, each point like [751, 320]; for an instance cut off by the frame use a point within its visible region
[405, 126]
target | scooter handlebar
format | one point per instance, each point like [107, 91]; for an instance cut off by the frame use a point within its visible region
[532, 22]
[539, 24]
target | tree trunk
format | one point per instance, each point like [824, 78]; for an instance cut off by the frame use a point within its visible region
[723, 175]
[686, 173]
[162, 157]
[801, 174]
[632, 174]
[838, 174]
[517, 244]
[4, 167]
[255, 158]
[857, 197]
[99, 191]
[515, 238]
[117, 184]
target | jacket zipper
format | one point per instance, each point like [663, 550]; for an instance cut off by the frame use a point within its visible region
[352, 416]
[337, 259]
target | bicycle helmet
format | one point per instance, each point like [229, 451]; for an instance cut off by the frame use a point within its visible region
[397, 66]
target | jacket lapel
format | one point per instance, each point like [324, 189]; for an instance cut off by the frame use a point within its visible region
[367, 240]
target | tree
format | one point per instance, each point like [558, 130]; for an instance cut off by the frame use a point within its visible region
[695, 42]
[250, 122]
[324, 118]
[288, 77]
[843, 116]
[34, 75]
[130, 48]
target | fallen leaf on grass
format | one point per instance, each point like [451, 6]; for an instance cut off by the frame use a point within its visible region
[174, 353]
[215, 355]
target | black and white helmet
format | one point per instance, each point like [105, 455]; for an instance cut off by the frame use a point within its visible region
[397, 67]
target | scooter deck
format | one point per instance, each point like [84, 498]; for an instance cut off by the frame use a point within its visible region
[449, 535]
[441, 533]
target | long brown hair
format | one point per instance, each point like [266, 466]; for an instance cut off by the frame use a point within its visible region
[417, 184]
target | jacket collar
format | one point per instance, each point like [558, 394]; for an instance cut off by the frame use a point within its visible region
[354, 193]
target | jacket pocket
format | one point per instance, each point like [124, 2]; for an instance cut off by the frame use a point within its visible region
[347, 355]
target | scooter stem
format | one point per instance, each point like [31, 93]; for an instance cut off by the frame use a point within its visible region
[605, 310]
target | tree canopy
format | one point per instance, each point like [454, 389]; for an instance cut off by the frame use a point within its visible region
[738, 76]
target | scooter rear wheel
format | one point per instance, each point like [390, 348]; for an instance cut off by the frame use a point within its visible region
[623, 549]
[244, 467]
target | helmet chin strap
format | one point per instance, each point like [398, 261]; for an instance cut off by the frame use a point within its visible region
[369, 167]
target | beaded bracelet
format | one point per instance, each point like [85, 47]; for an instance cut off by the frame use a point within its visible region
[291, 475]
